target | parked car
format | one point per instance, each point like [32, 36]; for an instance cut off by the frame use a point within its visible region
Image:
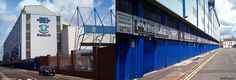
[234, 46]
[47, 70]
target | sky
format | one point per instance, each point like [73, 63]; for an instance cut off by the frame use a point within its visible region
[10, 11]
[226, 10]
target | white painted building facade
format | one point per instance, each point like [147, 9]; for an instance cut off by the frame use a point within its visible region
[196, 12]
[229, 43]
[68, 35]
[35, 33]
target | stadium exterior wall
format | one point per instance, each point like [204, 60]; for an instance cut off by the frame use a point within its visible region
[150, 37]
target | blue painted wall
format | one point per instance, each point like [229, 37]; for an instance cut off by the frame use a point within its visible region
[152, 54]
[148, 55]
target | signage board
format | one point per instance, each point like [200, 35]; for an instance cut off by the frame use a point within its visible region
[181, 36]
[173, 34]
[130, 24]
[124, 23]
[186, 37]
[43, 27]
[193, 38]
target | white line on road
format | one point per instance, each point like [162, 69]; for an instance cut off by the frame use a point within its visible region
[56, 77]
[28, 76]
[4, 76]
[200, 67]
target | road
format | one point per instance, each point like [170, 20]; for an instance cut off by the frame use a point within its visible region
[221, 67]
[20, 74]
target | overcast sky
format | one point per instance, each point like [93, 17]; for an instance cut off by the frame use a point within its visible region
[10, 11]
[226, 10]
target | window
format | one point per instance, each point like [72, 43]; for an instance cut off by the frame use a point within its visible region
[27, 44]
[27, 36]
[58, 28]
[152, 14]
[58, 20]
[125, 6]
[27, 18]
[58, 36]
[27, 26]
[28, 55]
[59, 46]
[172, 23]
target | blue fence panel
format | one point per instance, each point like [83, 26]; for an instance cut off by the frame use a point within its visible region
[161, 56]
[181, 51]
[123, 47]
[148, 55]
[171, 51]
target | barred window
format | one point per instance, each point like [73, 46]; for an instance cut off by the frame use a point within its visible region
[27, 18]
[28, 44]
[152, 13]
[125, 6]
[58, 20]
[27, 36]
[28, 54]
[58, 28]
[27, 26]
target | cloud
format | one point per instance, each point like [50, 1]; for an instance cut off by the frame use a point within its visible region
[63, 8]
[113, 6]
[2, 6]
[6, 18]
[66, 9]
[226, 10]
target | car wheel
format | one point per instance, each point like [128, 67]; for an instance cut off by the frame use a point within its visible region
[53, 74]
[45, 74]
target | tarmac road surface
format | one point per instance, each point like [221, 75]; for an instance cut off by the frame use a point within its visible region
[221, 67]
[20, 74]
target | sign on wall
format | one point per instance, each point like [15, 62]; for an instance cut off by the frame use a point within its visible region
[124, 23]
[162, 31]
[181, 36]
[173, 34]
[43, 27]
[187, 37]
[144, 27]
[130, 24]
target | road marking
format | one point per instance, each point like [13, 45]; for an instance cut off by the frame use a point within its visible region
[202, 55]
[28, 76]
[3, 75]
[201, 66]
[56, 77]
[70, 77]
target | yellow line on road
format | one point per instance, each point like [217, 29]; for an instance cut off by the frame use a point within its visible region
[201, 66]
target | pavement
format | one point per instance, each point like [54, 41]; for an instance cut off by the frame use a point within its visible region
[221, 67]
[187, 69]
[20, 74]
